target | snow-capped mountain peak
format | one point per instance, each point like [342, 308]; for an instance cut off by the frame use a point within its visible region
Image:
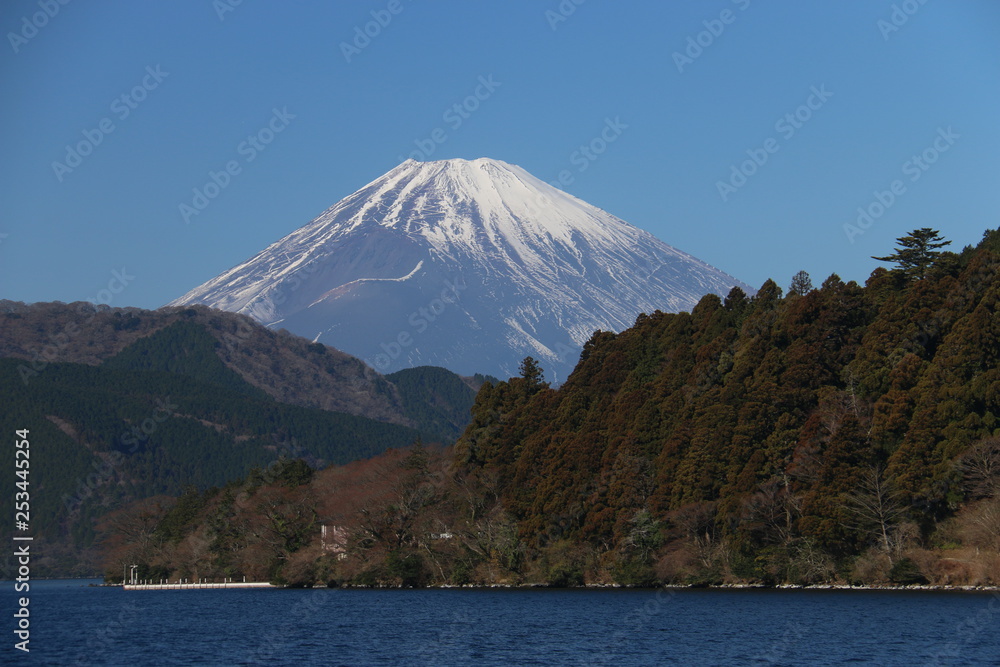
[467, 264]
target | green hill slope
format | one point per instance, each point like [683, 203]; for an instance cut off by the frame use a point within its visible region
[104, 436]
[223, 347]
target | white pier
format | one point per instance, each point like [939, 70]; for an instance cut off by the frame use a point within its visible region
[178, 586]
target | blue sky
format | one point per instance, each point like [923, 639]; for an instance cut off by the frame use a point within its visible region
[161, 95]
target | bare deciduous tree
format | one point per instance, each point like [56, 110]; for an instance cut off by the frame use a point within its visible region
[875, 507]
[772, 510]
[984, 524]
[980, 465]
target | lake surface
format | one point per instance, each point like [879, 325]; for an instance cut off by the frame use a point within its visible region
[72, 623]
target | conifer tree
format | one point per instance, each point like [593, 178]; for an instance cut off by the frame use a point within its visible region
[917, 251]
[801, 284]
[532, 373]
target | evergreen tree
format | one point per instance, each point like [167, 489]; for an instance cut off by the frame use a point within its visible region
[736, 300]
[917, 252]
[532, 373]
[801, 284]
[417, 458]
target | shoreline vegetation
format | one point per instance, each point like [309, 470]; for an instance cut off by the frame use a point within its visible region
[841, 435]
[540, 586]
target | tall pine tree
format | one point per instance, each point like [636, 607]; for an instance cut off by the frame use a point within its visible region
[917, 252]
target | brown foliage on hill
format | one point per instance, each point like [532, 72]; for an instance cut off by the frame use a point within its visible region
[773, 411]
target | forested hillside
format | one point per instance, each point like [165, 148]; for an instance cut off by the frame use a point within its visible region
[103, 436]
[843, 433]
[174, 409]
[286, 367]
[775, 436]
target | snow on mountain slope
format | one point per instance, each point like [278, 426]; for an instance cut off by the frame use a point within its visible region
[467, 264]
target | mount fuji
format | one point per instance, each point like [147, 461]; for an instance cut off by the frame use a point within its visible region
[467, 264]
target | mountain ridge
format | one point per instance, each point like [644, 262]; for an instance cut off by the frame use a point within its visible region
[284, 366]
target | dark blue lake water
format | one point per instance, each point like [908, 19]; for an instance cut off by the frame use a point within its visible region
[75, 624]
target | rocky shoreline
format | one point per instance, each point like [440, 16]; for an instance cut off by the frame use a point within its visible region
[682, 587]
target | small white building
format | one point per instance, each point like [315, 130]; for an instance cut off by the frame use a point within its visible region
[333, 539]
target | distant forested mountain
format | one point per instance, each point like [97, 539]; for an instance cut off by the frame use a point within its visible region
[286, 367]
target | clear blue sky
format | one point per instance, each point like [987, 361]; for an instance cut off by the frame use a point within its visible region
[208, 83]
